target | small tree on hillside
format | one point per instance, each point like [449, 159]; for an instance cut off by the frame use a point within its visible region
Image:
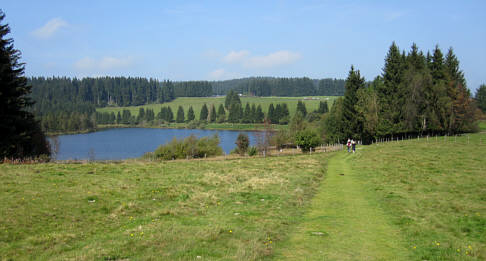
[301, 108]
[203, 116]
[190, 114]
[180, 115]
[212, 114]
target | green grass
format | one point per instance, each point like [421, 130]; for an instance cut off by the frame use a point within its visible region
[434, 191]
[177, 210]
[344, 223]
[197, 104]
[410, 200]
[482, 125]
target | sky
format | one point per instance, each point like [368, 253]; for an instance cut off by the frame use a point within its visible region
[218, 40]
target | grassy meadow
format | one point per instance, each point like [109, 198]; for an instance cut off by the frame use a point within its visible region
[409, 200]
[134, 210]
[434, 190]
[198, 102]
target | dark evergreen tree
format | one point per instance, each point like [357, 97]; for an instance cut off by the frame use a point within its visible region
[247, 114]
[118, 118]
[141, 114]
[212, 114]
[190, 114]
[203, 115]
[21, 134]
[221, 114]
[285, 115]
[235, 114]
[271, 114]
[253, 113]
[170, 114]
[301, 108]
[323, 107]
[260, 116]
[352, 125]
[481, 97]
[180, 115]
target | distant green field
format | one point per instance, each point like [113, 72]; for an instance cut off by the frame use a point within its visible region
[312, 103]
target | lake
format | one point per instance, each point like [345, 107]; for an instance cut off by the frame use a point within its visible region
[125, 143]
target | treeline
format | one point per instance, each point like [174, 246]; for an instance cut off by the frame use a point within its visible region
[271, 86]
[69, 104]
[232, 112]
[416, 94]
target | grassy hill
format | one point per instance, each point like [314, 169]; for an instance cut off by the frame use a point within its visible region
[410, 200]
[197, 103]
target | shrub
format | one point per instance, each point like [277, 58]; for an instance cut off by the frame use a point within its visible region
[307, 139]
[190, 147]
[252, 151]
[242, 141]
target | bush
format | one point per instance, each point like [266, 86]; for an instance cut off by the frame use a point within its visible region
[307, 139]
[252, 151]
[190, 147]
[242, 142]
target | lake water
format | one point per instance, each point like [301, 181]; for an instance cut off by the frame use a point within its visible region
[124, 143]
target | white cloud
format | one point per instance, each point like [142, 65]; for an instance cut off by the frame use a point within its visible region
[216, 74]
[244, 58]
[104, 64]
[273, 59]
[50, 28]
[236, 56]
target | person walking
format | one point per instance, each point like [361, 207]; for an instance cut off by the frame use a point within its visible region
[348, 144]
[353, 143]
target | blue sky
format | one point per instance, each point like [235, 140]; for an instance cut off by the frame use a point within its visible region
[214, 40]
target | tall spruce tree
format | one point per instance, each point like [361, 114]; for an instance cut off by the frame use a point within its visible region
[247, 114]
[301, 108]
[190, 114]
[203, 116]
[260, 116]
[212, 114]
[22, 136]
[353, 126]
[170, 114]
[271, 114]
[180, 115]
[480, 97]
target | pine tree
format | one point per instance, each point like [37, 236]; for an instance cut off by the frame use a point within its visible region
[141, 115]
[221, 114]
[190, 114]
[234, 113]
[271, 113]
[118, 118]
[21, 134]
[212, 114]
[253, 113]
[480, 97]
[323, 108]
[247, 114]
[301, 108]
[353, 127]
[180, 115]
[170, 114]
[260, 116]
[203, 116]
